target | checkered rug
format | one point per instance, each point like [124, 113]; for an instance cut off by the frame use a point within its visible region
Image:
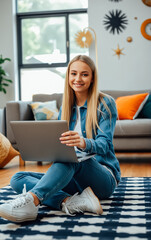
[127, 215]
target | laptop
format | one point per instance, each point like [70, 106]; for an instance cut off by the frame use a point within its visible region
[39, 141]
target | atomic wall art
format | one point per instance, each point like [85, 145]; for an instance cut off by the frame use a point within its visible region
[118, 51]
[115, 21]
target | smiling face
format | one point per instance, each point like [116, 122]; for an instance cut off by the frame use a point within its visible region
[80, 77]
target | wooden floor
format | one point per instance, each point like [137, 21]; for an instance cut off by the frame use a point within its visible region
[135, 166]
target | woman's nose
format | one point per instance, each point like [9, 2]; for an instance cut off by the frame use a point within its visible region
[78, 77]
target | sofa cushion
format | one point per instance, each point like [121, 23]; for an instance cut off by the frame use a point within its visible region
[137, 127]
[134, 144]
[119, 93]
[48, 97]
[129, 107]
[45, 110]
[146, 111]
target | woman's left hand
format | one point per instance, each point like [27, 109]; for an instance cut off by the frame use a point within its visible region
[71, 138]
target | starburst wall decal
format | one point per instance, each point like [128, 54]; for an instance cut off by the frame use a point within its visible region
[84, 38]
[115, 21]
[118, 51]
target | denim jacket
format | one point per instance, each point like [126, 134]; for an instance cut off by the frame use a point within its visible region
[102, 143]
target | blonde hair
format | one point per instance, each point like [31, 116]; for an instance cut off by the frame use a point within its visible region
[94, 97]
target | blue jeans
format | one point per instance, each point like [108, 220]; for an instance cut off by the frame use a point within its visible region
[64, 179]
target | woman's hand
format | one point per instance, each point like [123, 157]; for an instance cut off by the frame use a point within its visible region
[72, 139]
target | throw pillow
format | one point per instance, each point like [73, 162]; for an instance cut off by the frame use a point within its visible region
[7, 152]
[45, 110]
[146, 111]
[129, 107]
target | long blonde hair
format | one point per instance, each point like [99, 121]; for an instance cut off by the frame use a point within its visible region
[94, 97]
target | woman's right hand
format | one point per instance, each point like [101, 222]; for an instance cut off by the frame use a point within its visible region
[72, 139]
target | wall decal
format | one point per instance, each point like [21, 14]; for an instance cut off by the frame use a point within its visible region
[146, 29]
[118, 51]
[84, 38]
[129, 39]
[147, 2]
[115, 21]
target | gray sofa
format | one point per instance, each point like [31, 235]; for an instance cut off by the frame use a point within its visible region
[130, 135]
[2, 121]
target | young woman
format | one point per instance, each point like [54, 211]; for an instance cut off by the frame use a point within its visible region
[91, 117]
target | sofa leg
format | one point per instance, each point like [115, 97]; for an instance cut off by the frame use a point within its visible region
[21, 161]
[39, 163]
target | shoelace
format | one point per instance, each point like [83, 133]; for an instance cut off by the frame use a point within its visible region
[21, 200]
[71, 204]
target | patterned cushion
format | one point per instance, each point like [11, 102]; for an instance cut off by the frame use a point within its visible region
[45, 110]
[146, 111]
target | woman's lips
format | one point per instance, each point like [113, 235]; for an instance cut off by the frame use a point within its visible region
[78, 84]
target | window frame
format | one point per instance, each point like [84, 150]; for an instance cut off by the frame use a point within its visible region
[43, 14]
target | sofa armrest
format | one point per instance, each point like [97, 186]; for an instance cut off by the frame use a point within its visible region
[17, 111]
[3, 121]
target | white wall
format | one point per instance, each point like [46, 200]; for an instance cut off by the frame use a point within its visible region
[133, 70]
[7, 46]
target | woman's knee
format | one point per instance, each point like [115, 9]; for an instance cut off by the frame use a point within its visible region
[14, 182]
[107, 189]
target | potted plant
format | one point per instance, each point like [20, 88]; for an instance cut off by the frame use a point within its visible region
[4, 81]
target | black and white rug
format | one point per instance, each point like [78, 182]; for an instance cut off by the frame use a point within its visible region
[127, 216]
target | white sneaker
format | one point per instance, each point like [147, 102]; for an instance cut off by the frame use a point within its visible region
[20, 209]
[85, 202]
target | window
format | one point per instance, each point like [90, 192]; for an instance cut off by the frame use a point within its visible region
[46, 43]
[41, 42]
[45, 5]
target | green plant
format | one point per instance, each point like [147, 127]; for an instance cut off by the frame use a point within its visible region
[4, 81]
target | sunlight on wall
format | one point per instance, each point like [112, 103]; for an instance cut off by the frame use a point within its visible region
[41, 81]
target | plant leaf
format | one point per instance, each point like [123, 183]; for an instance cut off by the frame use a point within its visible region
[8, 80]
[2, 60]
[3, 89]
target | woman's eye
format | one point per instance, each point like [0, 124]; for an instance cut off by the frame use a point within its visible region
[85, 75]
[73, 74]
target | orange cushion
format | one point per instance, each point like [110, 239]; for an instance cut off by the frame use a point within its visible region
[128, 107]
[7, 152]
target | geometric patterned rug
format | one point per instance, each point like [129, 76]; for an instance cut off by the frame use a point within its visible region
[127, 216]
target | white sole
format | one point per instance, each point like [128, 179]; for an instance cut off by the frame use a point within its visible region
[13, 219]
